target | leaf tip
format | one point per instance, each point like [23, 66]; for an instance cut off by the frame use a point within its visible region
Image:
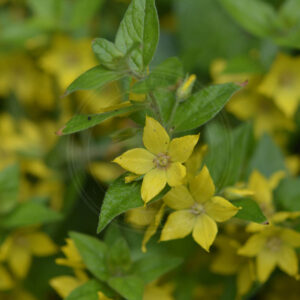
[60, 131]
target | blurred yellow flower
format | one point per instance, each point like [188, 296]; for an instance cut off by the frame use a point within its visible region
[156, 291]
[273, 247]
[161, 162]
[6, 281]
[197, 211]
[282, 83]
[19, 247]
[228, 262]
[68, 58]
[105, 171]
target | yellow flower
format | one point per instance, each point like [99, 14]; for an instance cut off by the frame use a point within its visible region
[19, 247]
[101, 296]
[228, 262]
[197, 211]
[162, 292]
[282, 83]
[68, 59]
[6, 282]
[161, 161]
[273, 247]
[105, 171]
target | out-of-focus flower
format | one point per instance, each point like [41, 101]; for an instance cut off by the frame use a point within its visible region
[273, 247]
[67, 59]
[105, 171]
[282, 83]
[19, 247]
[6, 281]
[228, 262]
[156, 291]
[197, 211]
[161, 162]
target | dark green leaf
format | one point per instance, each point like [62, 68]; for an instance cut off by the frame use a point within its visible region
[130, 287]
[94, 78]
[121, 197]
[29, 213]
[109, 55]
[250, 210]
[267, 157]
[93, 252]
[9, 188]
[89, 290]
[153, 266]
[139, 26]
[83, 122]
[202, 106]
[287, 195]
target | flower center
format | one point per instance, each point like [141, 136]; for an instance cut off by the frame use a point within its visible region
[197, 209]
[162, 161]
[274, 243]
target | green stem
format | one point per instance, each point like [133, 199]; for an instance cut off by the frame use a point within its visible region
[172, 114]
[155, 107]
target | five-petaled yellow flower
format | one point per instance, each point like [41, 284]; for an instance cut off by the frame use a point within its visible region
[197, 211]
[273, 246]
[161, 161]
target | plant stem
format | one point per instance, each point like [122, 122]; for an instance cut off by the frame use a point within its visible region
[172, 114]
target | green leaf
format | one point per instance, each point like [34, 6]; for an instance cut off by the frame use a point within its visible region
[164, 75]
[155, 265]
[9, 188]
[93, 78]
[82, 11]
[256, 16]
[250, 210]
[83, 122]
[228, 152]
[108, 54]
[139, 26]
[287, 194]
[29, 213]
[202, 106]
[267, 157]
[89, 290]
[131, 287]
[93, 252]
[121, 197]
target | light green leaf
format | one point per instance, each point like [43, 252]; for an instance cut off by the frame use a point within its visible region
[250, 210]
[9, 188]
[139, 26]
[108, 54]
[202, 106]
[131, 287]
[89, 290]
[287, 195]
[256, 16]
[155, 265]
[94, 78]
[83, 122]
[93, 252]
[29, 213]
[267, 157]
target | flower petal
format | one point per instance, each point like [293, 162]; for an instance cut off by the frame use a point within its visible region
[152, 228]
[179, 224]
[245, 277]
[205, 231]
[41, 245]
[179, 197]
[138, 160]
[175, 174]
[287, 260]
[202, 186]
[155, 137]
[64, 285]
[265, 264]
[6, 282]
[291, 237]
[19, 260]
[220, 209]
[153, 183]
[180, 149]
[253, 245]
